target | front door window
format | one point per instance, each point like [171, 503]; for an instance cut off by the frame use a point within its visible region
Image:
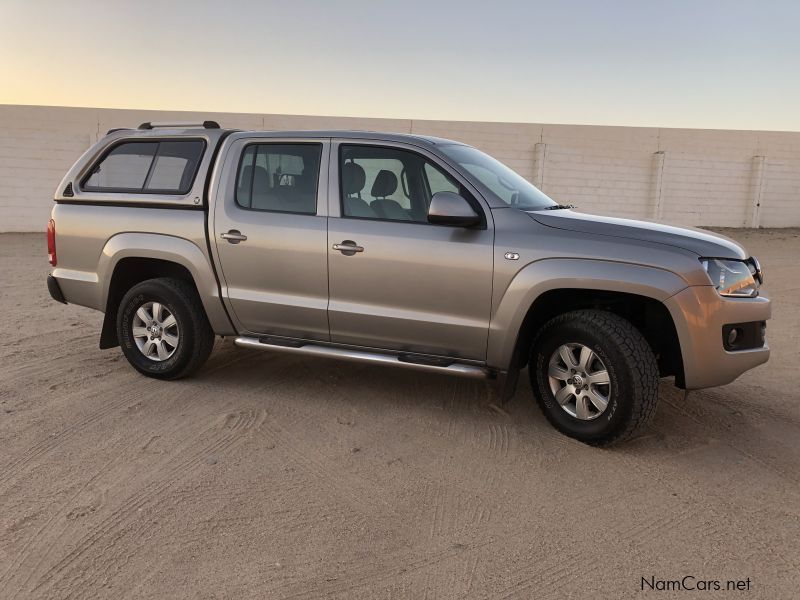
[389, 184]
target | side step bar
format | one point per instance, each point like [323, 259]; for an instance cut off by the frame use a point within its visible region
[403, 360]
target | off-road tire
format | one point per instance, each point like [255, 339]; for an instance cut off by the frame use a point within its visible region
[630, 363]
[196, 336]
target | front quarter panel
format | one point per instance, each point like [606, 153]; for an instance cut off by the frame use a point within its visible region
[568, 273]
[550, 258]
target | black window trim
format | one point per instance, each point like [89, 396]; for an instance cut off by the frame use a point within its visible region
[270, 210]
[473, 202]
[142, 191]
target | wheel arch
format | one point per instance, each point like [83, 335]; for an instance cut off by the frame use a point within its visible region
[131, 258]
[550, 287]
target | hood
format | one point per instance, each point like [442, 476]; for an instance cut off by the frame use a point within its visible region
[698, 241]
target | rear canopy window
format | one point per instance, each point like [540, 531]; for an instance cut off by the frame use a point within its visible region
[157, 167]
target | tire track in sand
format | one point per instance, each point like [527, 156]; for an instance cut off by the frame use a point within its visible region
[74, 429]
[227, 431]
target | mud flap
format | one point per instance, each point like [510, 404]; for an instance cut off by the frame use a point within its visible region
[506, 385]
[108, 335]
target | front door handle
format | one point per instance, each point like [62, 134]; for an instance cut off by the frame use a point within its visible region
[348, 247]
[234, 236]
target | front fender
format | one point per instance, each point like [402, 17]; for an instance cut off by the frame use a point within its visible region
[542, 276]
[169, 248]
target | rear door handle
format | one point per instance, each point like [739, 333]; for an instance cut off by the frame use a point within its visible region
[234, 236]
[348, 247]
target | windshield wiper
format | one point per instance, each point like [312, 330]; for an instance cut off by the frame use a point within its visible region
[559, 207]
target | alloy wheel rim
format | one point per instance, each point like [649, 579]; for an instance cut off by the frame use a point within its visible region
[579, 381]
[155, 331]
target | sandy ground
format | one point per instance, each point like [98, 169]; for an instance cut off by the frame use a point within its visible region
[271, 476]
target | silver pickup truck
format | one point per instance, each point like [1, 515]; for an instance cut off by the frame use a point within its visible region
[404, 250]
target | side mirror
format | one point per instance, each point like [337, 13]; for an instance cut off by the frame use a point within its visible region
[448, 208]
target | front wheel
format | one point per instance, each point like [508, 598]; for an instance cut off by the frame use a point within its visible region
[594, 376]
[163, 329]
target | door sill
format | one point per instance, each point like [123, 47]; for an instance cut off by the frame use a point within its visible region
[402, 359]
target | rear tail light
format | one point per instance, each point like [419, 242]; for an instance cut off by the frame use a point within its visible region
[51, 242]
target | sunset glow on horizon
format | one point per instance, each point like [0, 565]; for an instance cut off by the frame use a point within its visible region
[704, 64]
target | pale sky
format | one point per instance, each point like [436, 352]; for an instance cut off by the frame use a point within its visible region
[672, 63]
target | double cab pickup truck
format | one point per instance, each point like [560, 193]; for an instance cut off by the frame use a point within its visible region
[403, 250]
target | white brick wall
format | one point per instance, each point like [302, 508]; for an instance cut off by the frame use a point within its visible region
[683, 176]
[606, 170]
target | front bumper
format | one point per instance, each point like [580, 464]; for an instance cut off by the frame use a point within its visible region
[699, 314]
[55, 289]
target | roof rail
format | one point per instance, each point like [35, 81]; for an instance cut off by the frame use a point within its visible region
[181, 124]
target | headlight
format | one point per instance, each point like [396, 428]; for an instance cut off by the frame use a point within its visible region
[738, 278]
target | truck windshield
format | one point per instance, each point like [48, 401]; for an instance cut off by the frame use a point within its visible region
[498, 180]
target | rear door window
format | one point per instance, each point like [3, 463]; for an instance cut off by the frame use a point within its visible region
[278, 177]
[152, 167]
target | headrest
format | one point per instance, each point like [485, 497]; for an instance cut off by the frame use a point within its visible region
[353, 178]
[385, 184]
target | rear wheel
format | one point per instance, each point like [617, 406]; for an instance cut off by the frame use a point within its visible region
[163, 329]
[594, 376]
